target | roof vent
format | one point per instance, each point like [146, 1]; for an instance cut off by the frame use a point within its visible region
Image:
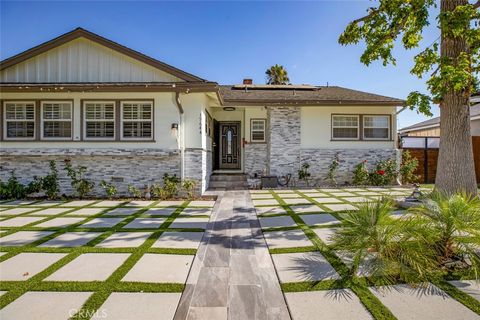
[247, 81]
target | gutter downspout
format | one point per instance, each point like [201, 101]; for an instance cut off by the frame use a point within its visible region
[181, 134]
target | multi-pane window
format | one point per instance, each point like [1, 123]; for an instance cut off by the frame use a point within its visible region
[376, 127]
[19, 120]
[345, 127]
[56, 120]
[257, 129]
[99, 120]
[137, 120]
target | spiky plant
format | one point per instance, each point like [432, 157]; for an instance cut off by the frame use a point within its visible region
[384, 248]
[453, 224]
[277, 75]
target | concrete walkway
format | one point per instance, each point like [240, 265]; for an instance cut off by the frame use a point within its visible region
[233, 276]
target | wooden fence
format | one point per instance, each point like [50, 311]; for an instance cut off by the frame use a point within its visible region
[428, 157]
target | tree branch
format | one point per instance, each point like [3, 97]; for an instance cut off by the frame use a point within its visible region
[373, 12]
[476, 5]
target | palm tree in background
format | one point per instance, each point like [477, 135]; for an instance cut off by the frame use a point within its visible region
[277, 75]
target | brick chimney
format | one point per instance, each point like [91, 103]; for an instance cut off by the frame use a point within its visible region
[247, 81]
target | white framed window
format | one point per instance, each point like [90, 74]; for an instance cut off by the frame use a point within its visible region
[99, 120]
[56, 120]
[137, 120]
[345, 127]
[257, 130]
[376, 127]
[19, 120]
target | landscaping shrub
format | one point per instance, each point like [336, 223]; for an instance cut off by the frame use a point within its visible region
[304, 174]
[134, 191]
[452, 226]
[189, 186]
[332, 170]
[360, 174]
[408, 167]
[13, 189]
[109, 188]
[49, 183]
[79, 183]
[383, 247]
[439, 237]
[170, 185]
[385, 173]
[156, 191]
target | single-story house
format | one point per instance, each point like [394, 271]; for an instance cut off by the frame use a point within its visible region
[431, 127]
[130, 118]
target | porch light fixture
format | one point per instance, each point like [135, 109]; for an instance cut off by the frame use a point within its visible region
[228, 108]
[174, 129]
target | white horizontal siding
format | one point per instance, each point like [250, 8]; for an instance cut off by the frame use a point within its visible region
[82, 60]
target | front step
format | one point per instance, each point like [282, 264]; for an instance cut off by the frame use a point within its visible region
[228, 182]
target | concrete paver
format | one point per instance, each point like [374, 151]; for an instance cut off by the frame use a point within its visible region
[160, 268]
[71, 239]
[281, 221]
[189, 240]
[326, 305]
[89, 267]
[45, 306]
[286, 239]
[426, 304]
[304, 266]
[138, 305]
[124, 240]
[22, 238]
[25, 265]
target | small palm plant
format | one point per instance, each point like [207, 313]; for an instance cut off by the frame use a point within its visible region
[277, 75]
[384, 248]
[453, 224]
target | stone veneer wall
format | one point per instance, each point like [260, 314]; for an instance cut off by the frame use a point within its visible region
[285, 155]
[320, 160]
[255, 158]
[283, 140]
[207, 168]
[139, 167]
[198, 167]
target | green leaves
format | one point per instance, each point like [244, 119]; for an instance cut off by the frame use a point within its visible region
[420, 101]
[394, 20]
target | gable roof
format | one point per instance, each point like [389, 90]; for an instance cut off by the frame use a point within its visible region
[435, 122]
[301, 95]
[79, 33]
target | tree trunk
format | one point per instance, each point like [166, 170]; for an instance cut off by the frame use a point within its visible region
[455, 170]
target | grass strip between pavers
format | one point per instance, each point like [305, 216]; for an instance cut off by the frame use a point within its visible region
[96, 300]
[359, 285]
[377, 309]
[101, 289]
[457, 294]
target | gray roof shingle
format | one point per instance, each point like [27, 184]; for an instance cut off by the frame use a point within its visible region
[301, 95]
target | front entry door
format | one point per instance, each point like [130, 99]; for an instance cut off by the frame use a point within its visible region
[229, 145]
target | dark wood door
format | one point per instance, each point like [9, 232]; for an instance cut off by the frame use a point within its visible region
[229, 145]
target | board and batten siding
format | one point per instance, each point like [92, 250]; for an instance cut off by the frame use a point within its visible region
[82, 60]
[316, 127]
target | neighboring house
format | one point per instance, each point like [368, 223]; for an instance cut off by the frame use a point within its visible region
[431, 127]
[130, 119]
[422, 140]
